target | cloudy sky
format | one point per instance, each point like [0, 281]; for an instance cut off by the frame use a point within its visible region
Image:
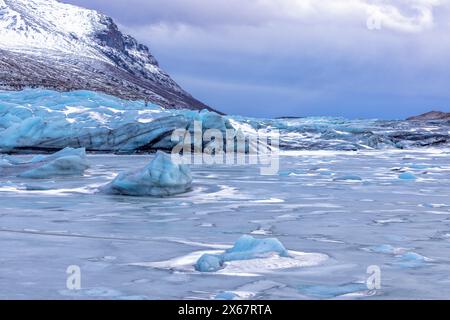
[265, 58]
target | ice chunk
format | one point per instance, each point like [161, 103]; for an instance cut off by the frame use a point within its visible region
[227, 295]
[386, 249]
[66, 162]
[413, 260]
[259, 264]
[4, 162]
[246, 248]
[328, 292]
[285, 173]
[161, 177]
[212, 120]
[70, 162]
[407, 176]
[209, 263]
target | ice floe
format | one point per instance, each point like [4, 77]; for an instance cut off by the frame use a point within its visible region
[249, 257]
[248, 291]
[338, 291]
[404, 257]
[162, 177]
[246, 248]
[407, 176]
[412, 260]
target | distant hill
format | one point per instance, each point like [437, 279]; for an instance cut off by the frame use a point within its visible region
[432, 115]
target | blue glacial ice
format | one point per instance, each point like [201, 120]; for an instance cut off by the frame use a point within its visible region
[162, 177]
[328, 292]
[43, 120]
[157, 241]
[338, 222]
[67, 162]
[403, 257]
[407, 176]
[412, 260]
[225, 296]
[385, 248]
[246, 248]
[209, 263]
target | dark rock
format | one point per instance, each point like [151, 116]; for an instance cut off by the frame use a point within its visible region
[432, 115]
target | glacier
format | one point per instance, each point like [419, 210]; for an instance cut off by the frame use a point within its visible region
[36, 120]
[162, 177]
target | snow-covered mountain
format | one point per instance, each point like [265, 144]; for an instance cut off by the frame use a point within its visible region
[48, 44]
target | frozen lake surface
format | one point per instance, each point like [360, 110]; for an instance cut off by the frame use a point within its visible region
[338, 212]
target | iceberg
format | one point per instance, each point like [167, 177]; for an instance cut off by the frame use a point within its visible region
[162, 177]
[246, 248]
[67, 162]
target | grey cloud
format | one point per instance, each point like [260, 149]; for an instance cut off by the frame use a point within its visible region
[193, 12]
[309, 57]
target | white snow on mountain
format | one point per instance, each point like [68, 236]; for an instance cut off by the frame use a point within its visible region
[53, 45]
[48, 25]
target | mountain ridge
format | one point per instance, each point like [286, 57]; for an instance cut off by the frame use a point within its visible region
[53, 45]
